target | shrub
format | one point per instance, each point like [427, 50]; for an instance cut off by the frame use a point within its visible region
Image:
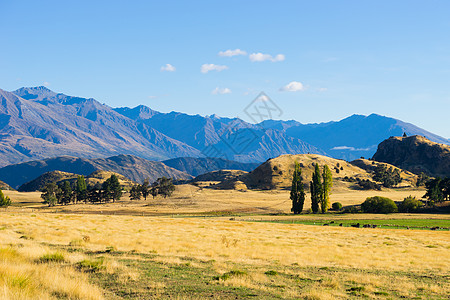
[90, 266]
[379, 205]
[410, 204]
[57, 257]
[271, 273]
[232, 273]
[336, 206]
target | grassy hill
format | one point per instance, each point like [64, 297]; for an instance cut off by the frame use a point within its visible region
[99, 176]
[277, 173]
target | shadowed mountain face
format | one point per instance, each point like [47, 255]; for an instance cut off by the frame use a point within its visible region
[416, 154]
[132, 167]
[196, 166]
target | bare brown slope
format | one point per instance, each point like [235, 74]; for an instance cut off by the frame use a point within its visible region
[416, 154]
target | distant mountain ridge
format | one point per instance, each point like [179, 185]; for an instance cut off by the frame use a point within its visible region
[37, 123]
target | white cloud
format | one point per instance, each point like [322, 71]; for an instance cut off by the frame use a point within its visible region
[293, 86]
[168, 68]
[46, 83]
[230, 53]
[263, 57]
[152, 97]
[212, 67]
[221, 91]
[322, 90]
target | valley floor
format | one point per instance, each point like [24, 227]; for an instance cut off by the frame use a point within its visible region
[184, 248]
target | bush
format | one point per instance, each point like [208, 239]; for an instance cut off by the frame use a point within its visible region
[90, 266]
[336, 206]
[410, 204]
[379, 205]
[52, 257]
[4, 201]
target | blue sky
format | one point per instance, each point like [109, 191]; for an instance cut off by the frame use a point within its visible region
[318, 60]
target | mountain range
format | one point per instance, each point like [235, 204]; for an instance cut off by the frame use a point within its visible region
[37, 123]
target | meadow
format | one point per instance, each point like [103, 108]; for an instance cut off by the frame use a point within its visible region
[189, 252]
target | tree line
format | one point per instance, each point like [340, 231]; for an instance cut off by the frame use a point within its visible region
[320, 188]
[66, 193]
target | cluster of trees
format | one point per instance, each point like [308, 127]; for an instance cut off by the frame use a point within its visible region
[65, 193]
[383, 205]
[162, 186]
[438, 189]
[388, 177]
[320, 188]
[5, 201]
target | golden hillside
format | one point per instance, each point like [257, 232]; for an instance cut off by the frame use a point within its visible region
[277, 173]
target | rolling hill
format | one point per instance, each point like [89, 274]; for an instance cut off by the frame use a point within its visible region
[57, 177]
[132, 167]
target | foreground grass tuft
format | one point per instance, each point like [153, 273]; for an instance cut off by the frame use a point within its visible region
[56, 257]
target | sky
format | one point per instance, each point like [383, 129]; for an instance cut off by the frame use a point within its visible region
[319, 61]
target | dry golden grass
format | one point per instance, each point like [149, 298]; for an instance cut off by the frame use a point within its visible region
[25, 237]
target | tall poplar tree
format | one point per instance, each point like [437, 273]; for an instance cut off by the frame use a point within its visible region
[327, 183]
[316, 189]
[297, 190]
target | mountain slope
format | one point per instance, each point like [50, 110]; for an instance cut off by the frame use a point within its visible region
[51, 124]
[132, 167]
[416, 154]
[197, 166]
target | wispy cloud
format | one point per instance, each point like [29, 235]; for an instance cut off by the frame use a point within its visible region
[263, 57]
[293, 86]
[212, 67]
[221, 91]
[46, 83]
[168, 68]
[350, 148]
[152, 97]
[230, 53]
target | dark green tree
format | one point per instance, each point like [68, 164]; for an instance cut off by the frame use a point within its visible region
[165, 186]
[135, 192]
[81, 189]
[49, 194]
[66, 196]
[145, 189]
[5, 201]
[434, 190]
[327, 184]
[316, 189]
[297, 190]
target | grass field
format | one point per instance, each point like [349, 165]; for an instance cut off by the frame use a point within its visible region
[142, 257]
[204, 243]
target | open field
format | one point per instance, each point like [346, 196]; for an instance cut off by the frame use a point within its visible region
[188, 247]
[143, 257]
[189, 199]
